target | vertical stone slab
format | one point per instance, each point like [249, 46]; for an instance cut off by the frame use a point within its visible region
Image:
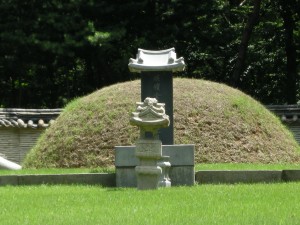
[159, 85]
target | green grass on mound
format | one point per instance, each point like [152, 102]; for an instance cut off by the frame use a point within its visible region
[225, 125]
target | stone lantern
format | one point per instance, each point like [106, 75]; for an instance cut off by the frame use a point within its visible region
[152, 170]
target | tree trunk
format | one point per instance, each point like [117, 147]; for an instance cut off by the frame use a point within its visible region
[286, 13]
[240, 63]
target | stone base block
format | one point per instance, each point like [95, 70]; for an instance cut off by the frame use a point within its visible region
[147, 177]
[164, 183]
[126, 177]
[181, 173]
[147, 181]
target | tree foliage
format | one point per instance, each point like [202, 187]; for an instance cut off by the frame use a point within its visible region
[52, 51]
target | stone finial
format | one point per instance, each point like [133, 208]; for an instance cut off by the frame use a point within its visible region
[164, 60]
[150, 116]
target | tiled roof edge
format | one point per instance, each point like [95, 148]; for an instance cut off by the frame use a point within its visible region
[28, 118]
[287, 113]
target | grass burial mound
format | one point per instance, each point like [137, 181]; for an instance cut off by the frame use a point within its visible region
[224, 124]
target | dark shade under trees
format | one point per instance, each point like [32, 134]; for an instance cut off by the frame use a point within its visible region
[53, 51]
[242, 53]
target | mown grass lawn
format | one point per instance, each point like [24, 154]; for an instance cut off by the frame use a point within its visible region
[201, 204]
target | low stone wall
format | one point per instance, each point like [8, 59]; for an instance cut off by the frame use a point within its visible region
[201, 177]
[290, 175]
[246, 176]
[15, 143]
[103, 179]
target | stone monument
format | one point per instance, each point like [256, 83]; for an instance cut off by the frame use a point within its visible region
[156, 69]
[152, 169]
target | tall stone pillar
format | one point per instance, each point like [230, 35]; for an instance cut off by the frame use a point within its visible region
[156, 69]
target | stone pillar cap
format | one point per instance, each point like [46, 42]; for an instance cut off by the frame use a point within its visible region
[163, 60]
